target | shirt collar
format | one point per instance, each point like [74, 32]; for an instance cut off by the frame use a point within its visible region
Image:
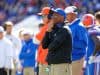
[74, 21]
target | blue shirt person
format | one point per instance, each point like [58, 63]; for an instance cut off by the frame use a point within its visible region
[28, 53]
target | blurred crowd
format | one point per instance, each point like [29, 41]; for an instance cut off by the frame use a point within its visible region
[16, 10]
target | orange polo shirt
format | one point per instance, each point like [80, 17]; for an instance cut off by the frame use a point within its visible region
[42, 53]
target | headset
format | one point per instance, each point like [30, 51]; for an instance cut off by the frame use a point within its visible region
[50, 13]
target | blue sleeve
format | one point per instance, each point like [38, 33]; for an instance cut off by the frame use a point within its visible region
[81, 38]
[94, 32]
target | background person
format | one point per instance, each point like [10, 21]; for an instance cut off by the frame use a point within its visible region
[27, 55]
[6, 54]
[80, 40]
[88, 20]
[8, 26]
[42, 53]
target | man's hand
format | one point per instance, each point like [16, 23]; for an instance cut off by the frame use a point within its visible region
[91, 59]
[19, 67]
[50, 26]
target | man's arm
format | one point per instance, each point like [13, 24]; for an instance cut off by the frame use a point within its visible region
[46, 40]
[81, 37]
[97, 44]
[59, 39]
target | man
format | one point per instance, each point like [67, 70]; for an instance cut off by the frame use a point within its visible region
[79, 35]
[97, 64]
[88, 21]
[58, 40]
[6, 54]
[27, 54]
[42, 53]
[97, 16]
[8, 26]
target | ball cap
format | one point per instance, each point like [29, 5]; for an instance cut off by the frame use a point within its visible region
[60, 12]
[45, 11]
[1, 29]
[71, 9]
[26, 31]
[9, 23]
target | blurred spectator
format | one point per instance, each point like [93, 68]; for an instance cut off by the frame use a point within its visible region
[2, 17]
[42, 53]
[8, 26]
[60, 3]
[6, 54]
[27, 55]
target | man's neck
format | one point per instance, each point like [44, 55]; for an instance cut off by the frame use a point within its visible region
[8, 33]
[74, 20]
